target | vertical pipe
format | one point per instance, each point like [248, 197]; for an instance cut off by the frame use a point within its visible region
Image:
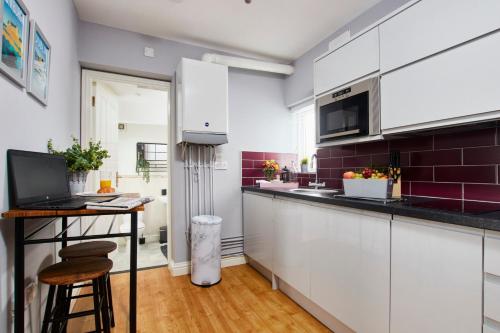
[190, 189]
[204, 180]
[198, 178]
[212, 162]
[186, 196]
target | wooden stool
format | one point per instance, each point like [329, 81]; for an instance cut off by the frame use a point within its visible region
[64, 275]
[92, 249]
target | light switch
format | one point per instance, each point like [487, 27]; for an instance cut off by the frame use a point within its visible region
[149, 52]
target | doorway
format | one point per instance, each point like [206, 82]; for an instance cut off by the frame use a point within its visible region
[129, 116]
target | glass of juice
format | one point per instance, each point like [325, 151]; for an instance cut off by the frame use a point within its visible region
[105, 179]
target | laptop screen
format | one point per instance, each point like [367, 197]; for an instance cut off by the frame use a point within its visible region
[36, 177]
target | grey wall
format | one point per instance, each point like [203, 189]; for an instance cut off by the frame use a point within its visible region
[299, 86]
[258, 118]
[25, 124]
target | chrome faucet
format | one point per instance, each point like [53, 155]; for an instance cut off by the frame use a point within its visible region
[316, 184]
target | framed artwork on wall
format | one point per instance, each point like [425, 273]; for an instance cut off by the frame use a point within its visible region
[38, 64]
[14, 42]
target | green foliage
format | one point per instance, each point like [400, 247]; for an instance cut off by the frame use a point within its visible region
[79, 159]
[143, 166]
[303, 161]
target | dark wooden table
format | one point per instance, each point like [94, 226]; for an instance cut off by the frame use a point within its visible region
[21, 240]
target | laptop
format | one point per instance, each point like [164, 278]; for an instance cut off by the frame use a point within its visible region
[40, 181]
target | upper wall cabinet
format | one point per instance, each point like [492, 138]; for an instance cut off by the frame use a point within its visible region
[352, 61]
[453, 87]
[431, 26]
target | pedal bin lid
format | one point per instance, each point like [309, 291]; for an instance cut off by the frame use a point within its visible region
[207, 219]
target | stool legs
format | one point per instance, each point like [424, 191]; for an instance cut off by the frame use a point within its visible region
[48, 309]
[110, 301]
[104, 305]
[97, 307]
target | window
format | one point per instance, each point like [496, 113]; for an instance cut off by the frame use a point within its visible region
[305, 132]
[155, 155]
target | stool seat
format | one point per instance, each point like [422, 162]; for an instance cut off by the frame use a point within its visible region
[87, 249]
[80, 270]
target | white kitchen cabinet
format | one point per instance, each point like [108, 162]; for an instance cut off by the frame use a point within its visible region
[291, 243]
[436, 278]
[454, 87]
[350, 267]
[258, 228]
[492, 279]
[358, 58]
[431, 26]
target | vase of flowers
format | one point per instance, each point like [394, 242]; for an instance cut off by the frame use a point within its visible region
[303, 165]
[270, 168]
[80, 161]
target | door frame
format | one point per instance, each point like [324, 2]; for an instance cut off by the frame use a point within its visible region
[87, 121]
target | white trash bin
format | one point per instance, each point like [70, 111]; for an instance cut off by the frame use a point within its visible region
[205, 250]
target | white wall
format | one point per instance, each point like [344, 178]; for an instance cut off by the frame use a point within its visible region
[128, 138]
[258, 117]
[25, 124]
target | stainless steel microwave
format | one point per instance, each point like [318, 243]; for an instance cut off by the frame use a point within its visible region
[350, 112]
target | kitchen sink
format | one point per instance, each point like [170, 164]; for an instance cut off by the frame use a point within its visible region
[312, 191]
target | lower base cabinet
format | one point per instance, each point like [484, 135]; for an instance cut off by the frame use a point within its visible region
[350, 267]
[436, 278]
[374, 275]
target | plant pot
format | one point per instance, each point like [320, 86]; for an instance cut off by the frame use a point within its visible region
[303, 168]
[77, 181]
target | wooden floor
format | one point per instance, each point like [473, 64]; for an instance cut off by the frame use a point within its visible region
[242, 302]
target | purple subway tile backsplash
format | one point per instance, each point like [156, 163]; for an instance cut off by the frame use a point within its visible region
[461, 165]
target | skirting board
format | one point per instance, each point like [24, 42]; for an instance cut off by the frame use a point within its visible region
[184, 268]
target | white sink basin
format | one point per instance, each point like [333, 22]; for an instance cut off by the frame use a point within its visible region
[312, 191]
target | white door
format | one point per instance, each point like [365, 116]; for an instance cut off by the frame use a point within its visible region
[436, 278]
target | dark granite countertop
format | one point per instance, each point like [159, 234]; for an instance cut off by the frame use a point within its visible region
[458, 212]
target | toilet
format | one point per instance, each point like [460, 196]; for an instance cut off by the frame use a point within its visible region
[125, 227]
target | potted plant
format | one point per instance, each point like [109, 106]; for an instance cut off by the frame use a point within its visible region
[303, 165]
[144, 167]
[80, 161]
[270, 168]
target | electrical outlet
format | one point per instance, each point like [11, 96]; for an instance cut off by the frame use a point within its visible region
[149, 52]
[221, 165]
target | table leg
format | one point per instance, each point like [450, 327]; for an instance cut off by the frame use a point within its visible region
[133, 272]
[64, 242]
[19, 275]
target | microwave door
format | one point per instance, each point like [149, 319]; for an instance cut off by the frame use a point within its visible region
[337, 121]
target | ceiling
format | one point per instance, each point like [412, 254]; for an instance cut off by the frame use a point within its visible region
[139, 105]
[273, 29]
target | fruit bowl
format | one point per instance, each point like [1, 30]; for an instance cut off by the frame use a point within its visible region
[368, 188]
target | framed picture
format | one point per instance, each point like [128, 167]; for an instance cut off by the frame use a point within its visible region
[14, 43]
[38, 64]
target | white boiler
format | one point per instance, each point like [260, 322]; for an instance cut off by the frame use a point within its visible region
[202, 102]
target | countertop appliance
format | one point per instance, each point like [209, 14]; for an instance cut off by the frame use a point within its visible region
[350, 112]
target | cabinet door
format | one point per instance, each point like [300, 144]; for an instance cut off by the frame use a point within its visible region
[352, 61]
[431, 26]
[436, 278]
[291, 250]
[258, 228]
[350, 273]
[454, 87]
